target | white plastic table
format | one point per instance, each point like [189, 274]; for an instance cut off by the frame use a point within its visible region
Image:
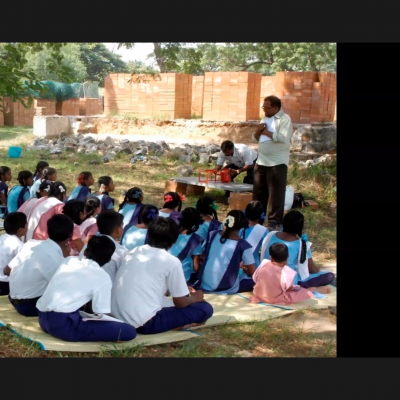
[231, 186]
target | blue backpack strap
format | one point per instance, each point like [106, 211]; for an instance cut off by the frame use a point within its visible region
[191, 245]
[21, 195]
[210, 238]
[83, 193]
[232, 272]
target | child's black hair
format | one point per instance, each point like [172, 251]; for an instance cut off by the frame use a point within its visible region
[14, 221]
[40, 167]
[279, 252]
[83, 176]
[174, 202]
[104, 180]
[74, 208]
[3, 171]
[57, 190]
[254, 212]
[148, 213]
[293, 222]
[189, 220]
[22, 176]
[205, 205]
[100, 249]
[92, 203]
[44, 186]
[133, 195]
[162, 233]
[108, 221]
[60, 228]
[239, 223]
[47, 172]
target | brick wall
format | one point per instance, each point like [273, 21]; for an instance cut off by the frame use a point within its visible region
[197, 95]
[49, 105]
[169, 95]
[68, 107]
[231, 96]
[90, 106]
[308, 97]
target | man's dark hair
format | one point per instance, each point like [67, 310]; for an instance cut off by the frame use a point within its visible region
[14, 221]
[100, 249]
[275, 101]
[227, 145]
[108, 221]
[162, 233]
[279, 252]
[60, 228]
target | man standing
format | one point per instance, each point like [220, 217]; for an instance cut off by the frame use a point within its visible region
[240, 158]
[270, 172]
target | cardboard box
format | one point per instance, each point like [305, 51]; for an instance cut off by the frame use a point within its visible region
[239, 201]
[172, 186]
[195, 190]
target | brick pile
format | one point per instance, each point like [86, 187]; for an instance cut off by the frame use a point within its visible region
[231, 96]
[48, 105]
[307, 97]
[169, 95]
[68, 107]
[90, 106]
[22, 116]
[197, 95]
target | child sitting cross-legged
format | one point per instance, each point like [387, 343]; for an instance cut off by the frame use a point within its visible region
[172, 202]
[106, 186]
[149, 272]
[88, 227]
[131, 206]
[19, 194]
[76, 283]
[82, 191]
[274, 280]
[109, 223]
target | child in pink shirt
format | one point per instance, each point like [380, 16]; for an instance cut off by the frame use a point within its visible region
[274, 280]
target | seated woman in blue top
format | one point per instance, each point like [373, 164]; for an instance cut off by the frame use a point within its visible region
[224, 253]
[300, 258]
[82, 191]
[172, 201]
[40, 166]
[254, 232]
[106, 186]
[188, 246]
[5, 176]
[49, 174]
[19, 194]
[208, 211]
[131, 206]
[135, 235]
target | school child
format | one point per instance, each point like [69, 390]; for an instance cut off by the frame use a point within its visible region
[88, 227]
[10, 245]
[75, 209]
[82, 191]
[106, 186]
[20, 193]
[224, 252]
[38, 174]
[43, 191]
[138, 294]
[131, 206]
[109, 223]
[49, 174]
[300, 258]
[254, 232]
[33, 267]
[274, 280]
[135, 235]
[44, 209]
[208, 210]
[188, 246]
[172, 201]
[76, 283]
[5, 176]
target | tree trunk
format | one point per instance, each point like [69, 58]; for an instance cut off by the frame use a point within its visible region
[158, 56]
